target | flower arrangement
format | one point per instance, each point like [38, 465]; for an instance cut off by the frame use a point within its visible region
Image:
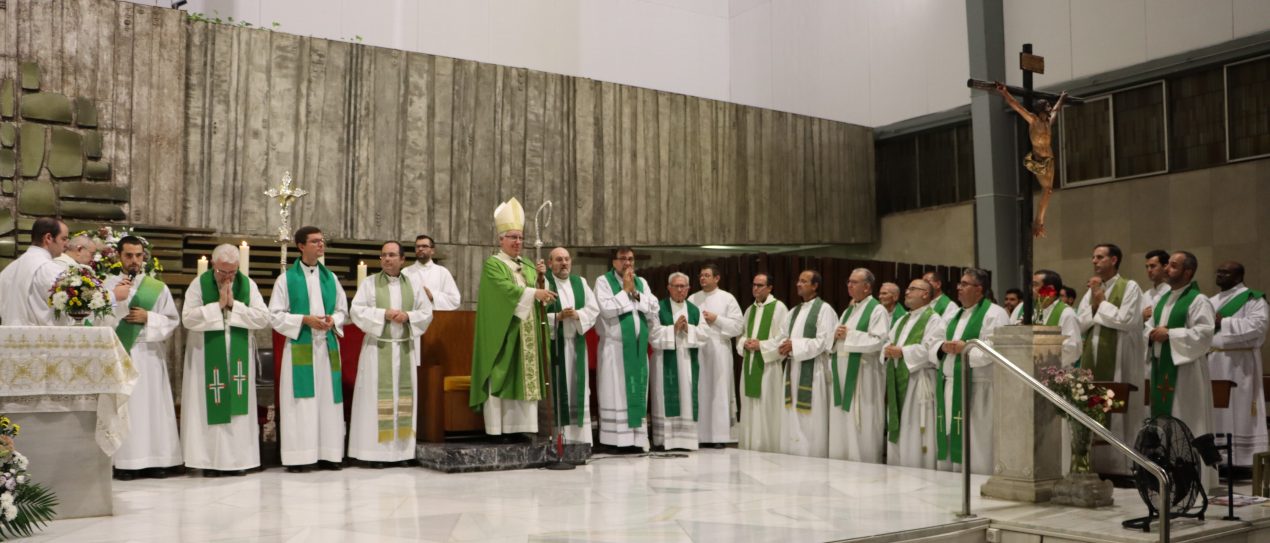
[24, 504]
[106, 262]
[1044, 296]
[1076, 385]
[78, 292]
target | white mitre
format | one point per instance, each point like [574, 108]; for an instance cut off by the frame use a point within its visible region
[509, 216]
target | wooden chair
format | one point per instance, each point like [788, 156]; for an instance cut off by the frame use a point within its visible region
[445, 376]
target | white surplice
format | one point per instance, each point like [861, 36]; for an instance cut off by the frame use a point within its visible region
[717, 385]
[234, 445]
[980, 389]
[678, 432]
[569, 330]
[807, 434]
[1131, 364]
[438, 279]
[760, 427]
[24, 289]
[916, 445]
[1236, 356]
[859, 435]
[615, 428]
[312, 428]
[153, 441]
[363, 432]
[1193, 392]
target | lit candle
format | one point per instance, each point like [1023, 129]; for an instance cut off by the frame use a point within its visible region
[202, 265]
[361, 272]
[244, 258]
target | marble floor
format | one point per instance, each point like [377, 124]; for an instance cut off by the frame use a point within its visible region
[712, 495]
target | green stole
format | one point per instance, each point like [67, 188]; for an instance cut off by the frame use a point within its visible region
[1233, 305]
[753, 363]
[1103, 363]
[948, 442]
[394, 417]
[634, 357]
[148, 292]
[843, 395]
[1163, 372]
[1056, 314]
[565, 413]
[806, 368]
[302, 346]
[898, 312]
[941, 303]
[670, 361]
[897, 372]
[216, 367]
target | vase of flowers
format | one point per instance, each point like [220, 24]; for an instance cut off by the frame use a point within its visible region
[106, 261]
[78, 293]
[1076, 385]
[24, 505]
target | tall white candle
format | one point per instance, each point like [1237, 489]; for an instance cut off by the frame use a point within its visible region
[244, 258]
[202, 265]
[361, 272]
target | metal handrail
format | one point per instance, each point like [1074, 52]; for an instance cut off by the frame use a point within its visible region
[1076, 415]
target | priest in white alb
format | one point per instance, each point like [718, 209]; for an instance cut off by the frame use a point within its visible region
[1179, 336]
[147, 318]
[977, 318]
[572, 314]
[308, 307]
[944, 306]
[219, 429]
[911, 380]
[717, 386]
[393, 312]
[677, 338]
[25, 282]
[627, 307]
[1242, 319]
[437, 282]
[808, 342]
[762, 384]
[857, 420]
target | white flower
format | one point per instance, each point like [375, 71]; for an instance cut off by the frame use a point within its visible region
[20, 460]
[59, 300]
[1110, 394]
[6, 499]
[98, 301]
[10, 513]
[76, 281]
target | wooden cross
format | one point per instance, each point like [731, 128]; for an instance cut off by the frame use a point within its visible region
[216, 385]
[240, 377]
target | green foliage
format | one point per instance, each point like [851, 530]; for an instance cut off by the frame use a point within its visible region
[214, 18]
[35, 510]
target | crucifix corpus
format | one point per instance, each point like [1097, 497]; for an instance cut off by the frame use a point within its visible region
[286, 195]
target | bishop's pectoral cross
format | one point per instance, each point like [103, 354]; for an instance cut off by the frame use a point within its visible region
[239, 377]
[216, 385]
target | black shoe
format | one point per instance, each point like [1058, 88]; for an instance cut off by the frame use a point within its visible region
[154, 473]
[375, 465]
[125, 474]
[329, 465]
[211, 473]
[719, 445]
[235, 473]
[300, 469]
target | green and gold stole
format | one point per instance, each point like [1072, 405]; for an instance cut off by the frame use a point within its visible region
[1163, 371]
[302, 346]
[752, 365]
[217, 368]
[570, 397]
[634, 356]
[395, 418]
[897, 372]
[1102, 361]
[148, 292]
[843, 395]
[670, 361]
[806, 368]
[948, 442]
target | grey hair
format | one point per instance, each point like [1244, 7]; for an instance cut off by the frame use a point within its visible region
[83, 240]
[980, 276]
[678, 274]
[225, 253]
[868, 275]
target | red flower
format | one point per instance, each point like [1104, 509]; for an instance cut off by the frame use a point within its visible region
[1095, 401]
[1047, 291]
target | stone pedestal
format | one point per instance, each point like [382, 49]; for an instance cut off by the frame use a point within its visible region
[1026, 429]
[1083, 490]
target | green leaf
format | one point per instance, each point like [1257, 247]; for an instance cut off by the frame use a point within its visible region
[35, 510]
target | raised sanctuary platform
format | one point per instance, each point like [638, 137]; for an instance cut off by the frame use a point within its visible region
[469, 456]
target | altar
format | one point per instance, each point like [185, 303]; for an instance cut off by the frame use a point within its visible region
[68, 389]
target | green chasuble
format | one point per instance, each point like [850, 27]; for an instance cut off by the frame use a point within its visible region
[505, 352]
[670, 361]
[221, 367]
[1163, 371]
[948, 441]
[570, 397]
